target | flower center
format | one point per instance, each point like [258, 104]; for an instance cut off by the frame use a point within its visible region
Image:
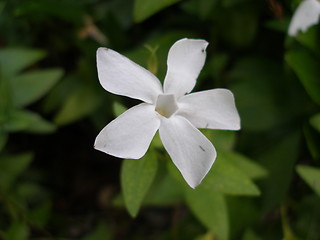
[166, 105]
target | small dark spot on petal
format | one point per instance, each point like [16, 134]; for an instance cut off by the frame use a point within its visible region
[202, 148]
[203, 50]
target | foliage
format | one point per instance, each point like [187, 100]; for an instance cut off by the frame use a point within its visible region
[54, 185]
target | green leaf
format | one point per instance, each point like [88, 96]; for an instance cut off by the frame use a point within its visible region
[228, 178]
[22, 120]
[144, 9]
[11, 167]
[118, 108]
[40, 215]
[222, 139]
[279, 160]
[136, 179]
[13, 60]
[18, 231]
[3, 138]
[100, 232]
[30, 86]
[252, 169]
[164, 192]
[211, 209]
[307, 69]
[311, 176]
[79, 104]
[315, 121]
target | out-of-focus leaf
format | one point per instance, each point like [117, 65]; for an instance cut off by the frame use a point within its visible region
[40, 214]
[22, 120]
[222, 139]
[80, 103]
[164, 192]
[239, 25]
[18, 231]
[312, 140]
[252, 169]
[13, 60]
[307, 69]
[255, 93]
[100, 232]
[31, 86]
[315, 121]
[207, 236]
[310, 39]
[229, 179]
[136, 179]
[40, 10]
[250, 235]
[201, 8]
[145, 8]
[118, 108]
[279, 161]
[243, 213]
[311, 176]
[211, 209]
[3, 138]
[11, 167]
[223, 177]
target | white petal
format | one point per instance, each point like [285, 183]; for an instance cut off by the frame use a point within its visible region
[191, 152]
[306, 15]
[185, 60]
[214, 109]
[130, 134]
[119, 75]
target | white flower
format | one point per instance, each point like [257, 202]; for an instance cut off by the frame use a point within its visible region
[171, 110]
[306, 15]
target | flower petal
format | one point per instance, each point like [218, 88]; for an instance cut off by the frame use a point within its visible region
[129, 135]
[185, 60]
[119, 75]
[214, 109]
[191, 152]
[306, 15]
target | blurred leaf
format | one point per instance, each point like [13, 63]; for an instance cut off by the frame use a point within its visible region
[136, 179]
[207, 236]
[252, 169]
[312, 140]
[249, 234]
[211, 209]
[222, 139]
[279, 160]
[144, 9]
[22, 120]
[101, 232]
[40, 215]
[227, 178]
[223, 177]
[81, 102]
[11, 167]
[243, 213]
[118, 108]
[13, 60]
[31, 86]
[315, 121]
[311, 176]
[239, 25]
[18, 231]
[3, 138]
[310, 39]
[164, 192]
[307, 69]
[44, 8]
